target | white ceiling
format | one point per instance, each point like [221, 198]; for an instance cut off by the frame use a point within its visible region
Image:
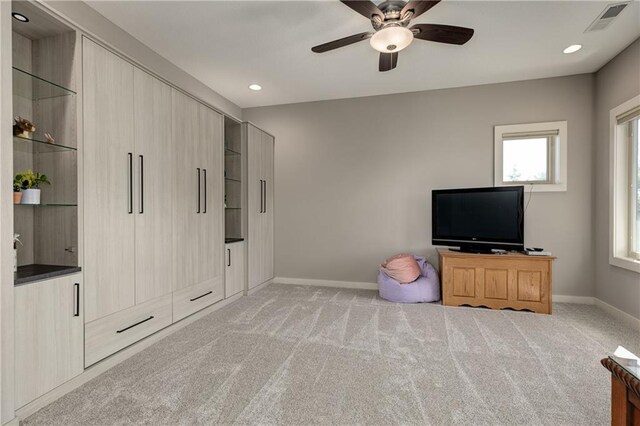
[229, 44]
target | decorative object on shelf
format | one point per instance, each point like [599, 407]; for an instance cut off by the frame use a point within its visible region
[23, 127]
[17, 187]
[49, 138]
[16, 239]
[30, 182]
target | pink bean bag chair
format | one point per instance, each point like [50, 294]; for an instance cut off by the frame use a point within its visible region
[426, 288]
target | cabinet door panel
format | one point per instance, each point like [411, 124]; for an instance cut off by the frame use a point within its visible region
[211, 225]
[186, 206]
[108, 156]
[268, 216]
[234, 274]
[255, 205]
[48, 336]
[154, 159]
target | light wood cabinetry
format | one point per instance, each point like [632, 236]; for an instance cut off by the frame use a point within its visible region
[511, 280]
[109, 243]
[234, 273]
[114, 332]
[48, 335]
[260, 148]
[153, 156]
[198, 209]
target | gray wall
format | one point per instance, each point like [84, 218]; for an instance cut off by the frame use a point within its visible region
[354, 176]
[616, 83]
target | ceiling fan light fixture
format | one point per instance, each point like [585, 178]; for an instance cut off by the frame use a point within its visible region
[391, 39]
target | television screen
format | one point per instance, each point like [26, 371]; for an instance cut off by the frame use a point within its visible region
[480, 218]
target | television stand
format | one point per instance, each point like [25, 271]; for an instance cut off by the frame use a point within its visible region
[505, 281]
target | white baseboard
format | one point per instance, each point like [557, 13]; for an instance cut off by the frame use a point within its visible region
[326, 283]
[374, 286]
[618, 314]
[581, 300]
[113, 360]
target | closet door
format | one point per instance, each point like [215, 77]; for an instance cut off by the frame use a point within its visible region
[210, 237]
[108, 182]
[255, 205]
[187, 206]
[268, 216]
[154, 177]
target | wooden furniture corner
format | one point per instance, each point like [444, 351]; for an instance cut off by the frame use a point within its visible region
[625, 395]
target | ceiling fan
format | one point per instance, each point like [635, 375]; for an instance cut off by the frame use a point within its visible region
[392, 33]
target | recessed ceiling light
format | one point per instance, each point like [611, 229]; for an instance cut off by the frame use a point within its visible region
[573, 48]
[255, 87]
[19, 17]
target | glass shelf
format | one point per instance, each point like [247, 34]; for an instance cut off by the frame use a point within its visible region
[39, 147]
[232, 179]
[29, 86]
[47, 205]
[228, 151]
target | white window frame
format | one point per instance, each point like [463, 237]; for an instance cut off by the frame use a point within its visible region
[620, 184]
[557, 155]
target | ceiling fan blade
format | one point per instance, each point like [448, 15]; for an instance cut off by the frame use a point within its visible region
[418, 7]
[442, 33]
[341, 42]
[365, 8]
[388, 61]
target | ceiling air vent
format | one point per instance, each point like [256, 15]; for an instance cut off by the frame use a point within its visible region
[605, 19]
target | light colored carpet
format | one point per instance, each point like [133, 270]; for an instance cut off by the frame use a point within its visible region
[299, 355]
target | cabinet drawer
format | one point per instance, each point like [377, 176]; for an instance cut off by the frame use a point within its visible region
[108, 335]
[196, 297]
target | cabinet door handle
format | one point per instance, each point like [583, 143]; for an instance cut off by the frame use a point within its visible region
[262, 194]
[204, 172]
[76, 295]
[141, 210]
[130, 182]
[136, 324]
[203, 295]
[265, 196]
[198, 169]
[229, 257]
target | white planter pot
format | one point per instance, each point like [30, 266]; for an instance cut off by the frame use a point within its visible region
[30, 196]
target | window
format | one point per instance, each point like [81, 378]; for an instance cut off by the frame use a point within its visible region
[531, 154]
[625, 183]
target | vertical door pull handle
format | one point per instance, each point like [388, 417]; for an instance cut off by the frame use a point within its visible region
[76, 296]
[229, 257]
[130, 182]
[265, 196]
[204, 172]
[141, 210]
[198, 170]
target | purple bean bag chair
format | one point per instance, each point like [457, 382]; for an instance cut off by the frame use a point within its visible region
[425, 289]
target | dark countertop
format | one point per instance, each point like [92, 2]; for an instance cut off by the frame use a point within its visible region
[37, 272]
[233, 240]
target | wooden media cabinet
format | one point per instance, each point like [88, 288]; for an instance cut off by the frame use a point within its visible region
[497, 281]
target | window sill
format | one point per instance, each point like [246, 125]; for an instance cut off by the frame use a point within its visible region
[625, 263]
[538, 187]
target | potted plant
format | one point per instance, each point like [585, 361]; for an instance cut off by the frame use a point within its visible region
[17, 187]
[30, 182]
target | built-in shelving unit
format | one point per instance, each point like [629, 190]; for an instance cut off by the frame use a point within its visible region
[233, 181]
[44, 93]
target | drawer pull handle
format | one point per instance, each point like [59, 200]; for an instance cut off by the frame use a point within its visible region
[196, 298]
[138, 323]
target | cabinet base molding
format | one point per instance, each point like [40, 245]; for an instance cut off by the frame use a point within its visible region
[259, 287]
[115, 359]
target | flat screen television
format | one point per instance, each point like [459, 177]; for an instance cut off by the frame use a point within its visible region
[479, 219]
